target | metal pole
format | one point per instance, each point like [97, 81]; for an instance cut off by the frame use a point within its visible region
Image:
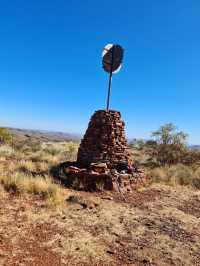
[109, 90]
[110, 81]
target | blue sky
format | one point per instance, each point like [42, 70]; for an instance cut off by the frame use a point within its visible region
[50, 63]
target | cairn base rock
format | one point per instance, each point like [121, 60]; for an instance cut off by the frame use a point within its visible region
[104, 161]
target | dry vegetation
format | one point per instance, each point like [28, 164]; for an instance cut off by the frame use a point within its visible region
[43, 223]
[25, 169]
[167, 159]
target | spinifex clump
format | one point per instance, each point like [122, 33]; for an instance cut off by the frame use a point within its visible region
[103, 161]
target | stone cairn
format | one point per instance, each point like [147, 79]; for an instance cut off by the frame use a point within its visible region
[104, 161]
[104, 141]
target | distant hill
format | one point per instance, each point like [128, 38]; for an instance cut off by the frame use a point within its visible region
[195, 147]
[43, 135]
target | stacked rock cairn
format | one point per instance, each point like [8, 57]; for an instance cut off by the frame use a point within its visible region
[104, 161]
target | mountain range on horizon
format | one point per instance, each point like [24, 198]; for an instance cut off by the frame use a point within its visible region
[43, 135]
[59, 136]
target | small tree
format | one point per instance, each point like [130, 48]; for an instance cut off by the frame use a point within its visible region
[5, 136]
[167, 134]
[171, 144]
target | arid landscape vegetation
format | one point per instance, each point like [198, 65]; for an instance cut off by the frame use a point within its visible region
[44, 223]
[99, 133]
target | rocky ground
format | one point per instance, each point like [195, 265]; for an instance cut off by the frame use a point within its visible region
[158, 225]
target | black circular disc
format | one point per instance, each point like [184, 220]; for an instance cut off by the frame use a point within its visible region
[112, 58]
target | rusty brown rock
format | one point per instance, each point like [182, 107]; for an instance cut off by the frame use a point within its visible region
[73, 169]
[99, 167]
[103, 161]
[104, 140]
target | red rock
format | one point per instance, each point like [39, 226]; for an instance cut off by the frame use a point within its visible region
[107, 198]
[104, 161]
[98, 167]
[104, 140]
[73, 169]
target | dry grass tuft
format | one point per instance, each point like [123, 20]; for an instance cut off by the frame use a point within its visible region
[176, 175]
[26, 166]
[44, 187]
[6, 151]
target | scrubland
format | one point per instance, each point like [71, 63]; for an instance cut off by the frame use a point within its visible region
[44, 223]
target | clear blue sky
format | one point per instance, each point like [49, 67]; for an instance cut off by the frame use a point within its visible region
[50, 63]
